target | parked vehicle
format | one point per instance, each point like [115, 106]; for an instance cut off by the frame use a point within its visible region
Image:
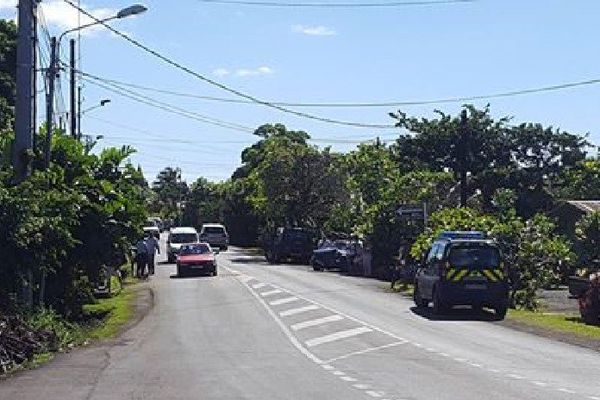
[152, 230]
[215, 235]
[294, 244]
[178, 237]
[157, 222]
[196, 259]
[336, 254]
[462, 268]
[587, 292]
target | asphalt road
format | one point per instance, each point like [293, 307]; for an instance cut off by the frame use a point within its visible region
[259, 331]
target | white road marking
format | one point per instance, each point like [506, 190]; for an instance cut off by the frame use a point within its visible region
[284, 328]
[328, 367]
[417, 344]
[270, 292]
[294, 311]
[542, 384]
[444, 354]
[569, 391]
[370, 349]
[285, 300]
[475, 365]
[593, 398]
[429, 349]
[338, 373]
[373, 393]
[337, 336]
[514, 376]
[347, 378]
[361, 386]
[315, 322]
[259, 285]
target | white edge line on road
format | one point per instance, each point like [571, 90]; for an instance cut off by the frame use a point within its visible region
[284, 328]
[294, 311]
[332, 337]
[285, 300]
[355, 353]
[373, 393]
[347, 378]
[315, 322]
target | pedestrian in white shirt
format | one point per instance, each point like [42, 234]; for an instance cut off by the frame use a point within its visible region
[152, 247]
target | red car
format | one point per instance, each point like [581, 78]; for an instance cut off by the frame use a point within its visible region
[196, 259]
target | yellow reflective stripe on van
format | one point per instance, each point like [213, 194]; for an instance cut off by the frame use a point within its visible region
[458, 274]
[490, 275]
[461, 274]
[450, 273]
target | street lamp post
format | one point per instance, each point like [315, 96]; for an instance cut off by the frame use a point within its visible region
[102, 103]
[54, 66]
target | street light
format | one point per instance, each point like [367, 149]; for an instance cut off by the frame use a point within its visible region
[102, 104]
[124, 13]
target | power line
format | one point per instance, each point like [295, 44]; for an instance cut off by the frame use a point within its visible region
[400, 103]
[336, 5]
[225, 87]
[168, 107]
[168, 138]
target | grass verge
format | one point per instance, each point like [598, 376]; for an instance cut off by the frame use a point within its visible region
[406, 289]
[109, 315]
[562, 323]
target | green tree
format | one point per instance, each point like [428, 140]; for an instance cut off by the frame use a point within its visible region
[8, 63]
[170, 193]
[587, 232]
[203, 203]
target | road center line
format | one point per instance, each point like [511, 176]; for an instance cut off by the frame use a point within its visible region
[315, 322]
[285, 300]
[337, 336]
[294, 311]
[270, 292]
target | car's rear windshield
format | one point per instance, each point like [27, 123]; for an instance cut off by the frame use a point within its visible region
[214, 229]
[184, 238]
[474, 256]
[297, 235]
[194, 249]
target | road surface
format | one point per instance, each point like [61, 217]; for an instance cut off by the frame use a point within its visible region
[259, 331]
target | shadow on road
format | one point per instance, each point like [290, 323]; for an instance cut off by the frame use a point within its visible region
[248, 260]
[455, 314]
[175, 276]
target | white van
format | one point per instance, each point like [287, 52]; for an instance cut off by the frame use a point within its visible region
[177, 237]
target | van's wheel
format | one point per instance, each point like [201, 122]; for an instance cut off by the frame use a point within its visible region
[500, 311]
[439, 307]
[418, 298]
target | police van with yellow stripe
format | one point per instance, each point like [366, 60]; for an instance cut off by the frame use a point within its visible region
[462, 268]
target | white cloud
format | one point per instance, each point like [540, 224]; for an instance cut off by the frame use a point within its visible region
[8, 5]
[243, 72]
[62, 16]
[221, 72]
[319, 30]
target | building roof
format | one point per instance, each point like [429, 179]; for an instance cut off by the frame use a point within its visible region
[585, 205]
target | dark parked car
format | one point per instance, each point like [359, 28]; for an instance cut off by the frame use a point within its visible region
[294, 244]
[338, 254]
[587, 292]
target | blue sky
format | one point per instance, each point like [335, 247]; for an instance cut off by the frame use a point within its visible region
[332, 55]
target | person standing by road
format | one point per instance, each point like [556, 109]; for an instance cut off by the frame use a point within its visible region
[141, 257]
[152, 247]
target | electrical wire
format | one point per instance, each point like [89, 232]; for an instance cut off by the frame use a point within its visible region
[168, 138]
[512, 93]
[336, 5]
[167, 107]
[224, 87]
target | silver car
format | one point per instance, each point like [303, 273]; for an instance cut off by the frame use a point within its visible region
[215, 235]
